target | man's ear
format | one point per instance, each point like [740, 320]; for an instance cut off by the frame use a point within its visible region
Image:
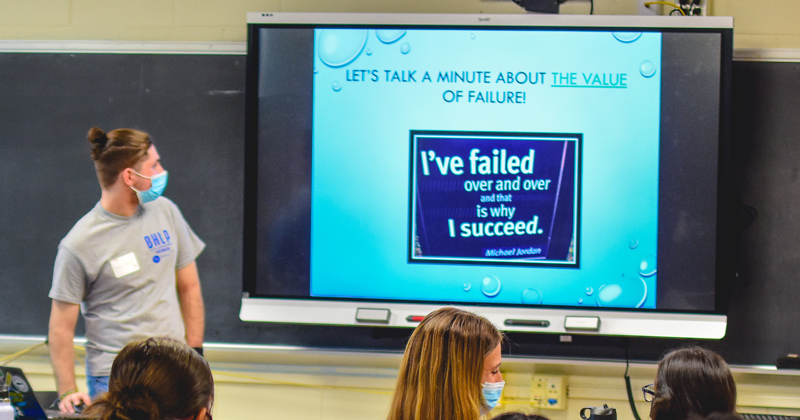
[127, 176]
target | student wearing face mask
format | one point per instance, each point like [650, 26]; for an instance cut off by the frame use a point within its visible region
[128, 266]
[450, 369]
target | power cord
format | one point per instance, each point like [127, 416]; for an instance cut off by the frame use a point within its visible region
[628, 384]
[666, 3]
[11, 357]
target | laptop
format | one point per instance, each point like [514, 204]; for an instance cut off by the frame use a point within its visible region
[24, 401]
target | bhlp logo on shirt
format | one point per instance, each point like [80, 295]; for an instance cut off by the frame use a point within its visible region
[159, 244]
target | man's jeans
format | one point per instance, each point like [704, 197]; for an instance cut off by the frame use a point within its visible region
[98, 385]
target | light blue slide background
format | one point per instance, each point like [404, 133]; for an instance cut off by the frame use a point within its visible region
[360, 168]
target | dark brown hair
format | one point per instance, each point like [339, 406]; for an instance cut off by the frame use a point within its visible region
[515, 415]
[440, 375]
[692, 381]
[116, 150]
[717, 415]
[156, 379]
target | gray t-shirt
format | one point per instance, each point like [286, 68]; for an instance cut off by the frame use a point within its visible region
[122, 272]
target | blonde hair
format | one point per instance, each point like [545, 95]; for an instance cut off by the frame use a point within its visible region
[116, 150]
[440, 375]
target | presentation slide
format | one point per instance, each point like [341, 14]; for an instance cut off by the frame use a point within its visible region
[492, 197]
[505, 166]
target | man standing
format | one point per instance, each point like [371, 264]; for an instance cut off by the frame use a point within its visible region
[128, 265]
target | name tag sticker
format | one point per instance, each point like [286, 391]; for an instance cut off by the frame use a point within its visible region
[124, 265]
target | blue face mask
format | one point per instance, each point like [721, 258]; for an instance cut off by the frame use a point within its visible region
[158, 183]
[491, 393]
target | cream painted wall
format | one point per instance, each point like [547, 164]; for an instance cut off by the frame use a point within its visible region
[759, 24]
[311, 385]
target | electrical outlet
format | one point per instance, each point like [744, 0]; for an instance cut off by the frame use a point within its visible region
[538, 391]
[548, 392]
[694, 7]
[658, 9]
[704, 7]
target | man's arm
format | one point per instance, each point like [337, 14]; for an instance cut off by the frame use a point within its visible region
[63, 317]
[191, 299]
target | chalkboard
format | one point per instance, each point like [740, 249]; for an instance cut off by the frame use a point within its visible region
[193, 107]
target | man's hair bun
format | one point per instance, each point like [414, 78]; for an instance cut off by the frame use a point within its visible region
[99, 140]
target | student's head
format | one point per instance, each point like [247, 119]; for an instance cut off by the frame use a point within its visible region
[157, 379]
[117, 150]
[448, 358]
[717, 415]
[515, 415]
[692, 381]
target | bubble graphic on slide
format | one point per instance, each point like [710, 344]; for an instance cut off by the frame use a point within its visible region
[490, 286]
[580, 301]
[467, 287]
[336, 86]
[368, 51]
[632, 295]
[647, 68]
[644, 293]
[589, 291]
[531, 297]
[633, 243]
[627, 37]
[405, 48]
[648, 266]
[608, 293]
[339, 47]
[387, 36]
[472, 35]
